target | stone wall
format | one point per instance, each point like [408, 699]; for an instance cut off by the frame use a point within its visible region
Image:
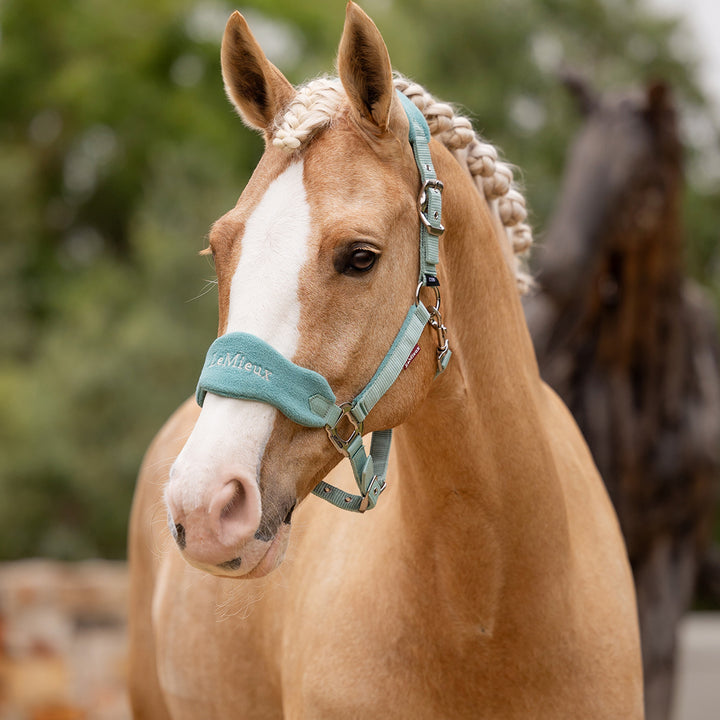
[62, 641]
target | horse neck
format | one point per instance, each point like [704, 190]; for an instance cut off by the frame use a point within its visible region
[478, 475]
[651, 288]
[619, 300]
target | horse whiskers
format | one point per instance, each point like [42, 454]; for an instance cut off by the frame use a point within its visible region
[239, 600]
[163, 466]
[209, 285]
[158, 516]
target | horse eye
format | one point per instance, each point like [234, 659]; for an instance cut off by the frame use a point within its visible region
[361, 260]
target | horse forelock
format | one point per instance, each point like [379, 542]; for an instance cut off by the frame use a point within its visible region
[319, 101]
[313, 108]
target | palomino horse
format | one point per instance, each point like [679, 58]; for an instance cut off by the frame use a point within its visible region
[490, 578]
[630, 345]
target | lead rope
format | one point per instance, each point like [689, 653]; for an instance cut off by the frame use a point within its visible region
[370, 470]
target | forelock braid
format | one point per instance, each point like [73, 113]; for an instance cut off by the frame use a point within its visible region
[313, 108]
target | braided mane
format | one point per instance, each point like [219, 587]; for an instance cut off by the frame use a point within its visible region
[318, 102]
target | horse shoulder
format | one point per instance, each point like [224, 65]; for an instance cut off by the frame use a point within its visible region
[148, 516]
[601, 580]
[145, 550]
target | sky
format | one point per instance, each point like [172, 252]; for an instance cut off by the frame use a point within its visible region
[702, 18]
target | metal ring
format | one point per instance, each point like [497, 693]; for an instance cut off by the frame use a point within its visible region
[435, 310]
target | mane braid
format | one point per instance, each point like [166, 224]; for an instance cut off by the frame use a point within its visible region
[319, 101]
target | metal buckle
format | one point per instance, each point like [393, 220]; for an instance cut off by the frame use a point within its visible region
[423, 203]
[340, 443]
[375, 489]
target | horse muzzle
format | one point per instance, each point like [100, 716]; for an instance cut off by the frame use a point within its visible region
[227, 534]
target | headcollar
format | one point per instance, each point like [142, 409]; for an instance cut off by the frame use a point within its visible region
[240, 365]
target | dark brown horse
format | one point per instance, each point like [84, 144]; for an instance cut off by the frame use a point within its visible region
[629, 343]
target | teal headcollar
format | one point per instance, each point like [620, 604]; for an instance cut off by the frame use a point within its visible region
[243, 366]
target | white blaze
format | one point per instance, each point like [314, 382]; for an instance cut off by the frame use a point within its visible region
[264, 290]
[230, 435]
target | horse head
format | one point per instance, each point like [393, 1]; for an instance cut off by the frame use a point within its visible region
[317, 264]
[620, 187]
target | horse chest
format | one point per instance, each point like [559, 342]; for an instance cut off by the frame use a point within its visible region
[371, 642]
[211, 659]
[339, 645]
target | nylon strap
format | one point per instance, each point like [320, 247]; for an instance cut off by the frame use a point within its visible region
[431, 193]
[372, 477]
[370, 471]
[393, 363]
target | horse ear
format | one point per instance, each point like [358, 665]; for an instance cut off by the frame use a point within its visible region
[364, 68]
[257, 89]
[658, 100]
[580, 91]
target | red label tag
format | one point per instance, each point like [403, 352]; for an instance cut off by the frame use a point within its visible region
[412, 355]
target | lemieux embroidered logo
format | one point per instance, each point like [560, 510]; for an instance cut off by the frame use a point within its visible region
[239, 362]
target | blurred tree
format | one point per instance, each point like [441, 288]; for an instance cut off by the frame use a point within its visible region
[117, 152]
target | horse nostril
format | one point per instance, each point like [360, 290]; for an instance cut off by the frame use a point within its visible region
[235, 505]
[219, 526]
[288, 517]
[179, 536]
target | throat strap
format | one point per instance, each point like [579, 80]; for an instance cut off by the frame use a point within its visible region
[369, 471]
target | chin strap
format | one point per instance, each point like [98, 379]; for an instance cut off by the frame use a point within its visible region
[369, 471]
[243, 366]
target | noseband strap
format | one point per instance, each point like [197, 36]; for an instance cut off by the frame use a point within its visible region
[243, 366]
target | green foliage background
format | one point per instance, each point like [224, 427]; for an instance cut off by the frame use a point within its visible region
[118, 150]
